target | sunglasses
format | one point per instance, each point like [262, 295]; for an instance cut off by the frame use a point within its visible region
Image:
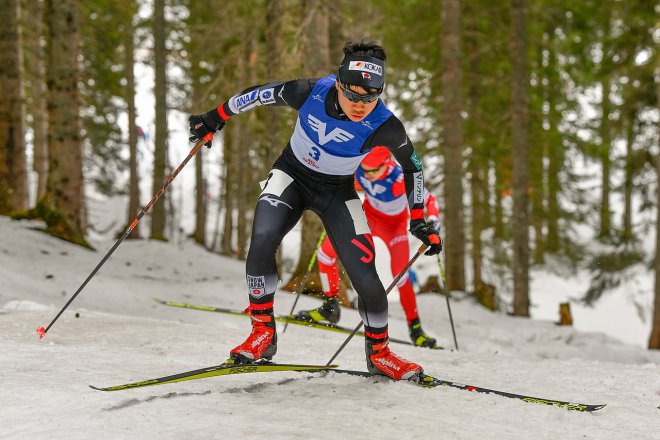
[372, 171]
[356, 97]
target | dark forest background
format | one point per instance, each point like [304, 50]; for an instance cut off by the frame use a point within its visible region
[537, 120]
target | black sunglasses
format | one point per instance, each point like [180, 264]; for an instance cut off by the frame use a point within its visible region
[356, 97]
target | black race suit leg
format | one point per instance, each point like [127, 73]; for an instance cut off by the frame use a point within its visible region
[346, 224]
[278, 209]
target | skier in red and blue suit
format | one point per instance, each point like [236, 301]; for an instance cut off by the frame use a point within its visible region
[386, 207]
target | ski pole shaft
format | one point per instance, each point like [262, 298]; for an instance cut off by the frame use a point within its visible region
[304, 280]
[444, 287]
[419, 252]
[41, 331]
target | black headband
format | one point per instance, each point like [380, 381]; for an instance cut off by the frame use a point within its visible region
[363, 71]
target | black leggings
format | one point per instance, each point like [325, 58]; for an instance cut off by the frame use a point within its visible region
[291, 189]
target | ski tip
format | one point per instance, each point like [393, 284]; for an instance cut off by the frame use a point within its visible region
[597, 407]
[113, 388]
[41, 332]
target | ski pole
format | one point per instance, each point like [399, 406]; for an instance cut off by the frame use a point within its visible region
[447, 294]
[304, 280]
[419, 252]
[41, 331]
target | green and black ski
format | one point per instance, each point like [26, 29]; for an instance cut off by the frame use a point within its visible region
[432, 382]
[218, 370]
[280, 318]
[426, 381]
[422, 380]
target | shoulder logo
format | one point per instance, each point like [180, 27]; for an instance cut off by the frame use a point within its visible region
[337, 134]
[416, 160]
[267, 96]
[244, 100]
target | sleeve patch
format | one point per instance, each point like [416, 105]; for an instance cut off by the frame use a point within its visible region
[415, 160]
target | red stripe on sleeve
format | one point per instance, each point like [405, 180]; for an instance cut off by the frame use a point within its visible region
[221, 112]
[417, 214]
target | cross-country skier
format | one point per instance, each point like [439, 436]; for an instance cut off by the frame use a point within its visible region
[340, 118]
[386, 207]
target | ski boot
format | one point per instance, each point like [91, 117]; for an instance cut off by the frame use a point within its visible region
[329, 311]
[418, 336]
[261, 344]
[381, 361]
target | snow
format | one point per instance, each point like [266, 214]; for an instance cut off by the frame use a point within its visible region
[120, 335]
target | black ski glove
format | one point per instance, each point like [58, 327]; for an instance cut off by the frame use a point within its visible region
[428, 236]
[204, 124]
[434, 222]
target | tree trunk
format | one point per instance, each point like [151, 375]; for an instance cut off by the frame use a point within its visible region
[199, 25]
[199, 235]
[316, 47]
[62, 206]
[605, 213]
[158, 214]
[554, 151]
[273, 62]
[654, 339]
[242, 150]
[627, 233]
[520, 175]
[453, 148]
[133, 188]
[479, 205]
[274, 50]
[538, 155]
[478, 162]
[501, 191]
[13, 168]
[226, 247]
[36, 72]
[555, 159]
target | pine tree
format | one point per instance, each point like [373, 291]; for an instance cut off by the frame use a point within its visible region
[13, 168]
[520, 176]
[62, 206]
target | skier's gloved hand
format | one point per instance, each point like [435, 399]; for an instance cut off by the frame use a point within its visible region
[203, 125]
[434, 222]
[429, 236]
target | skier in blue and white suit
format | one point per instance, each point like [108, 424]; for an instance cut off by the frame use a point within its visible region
[340, 118]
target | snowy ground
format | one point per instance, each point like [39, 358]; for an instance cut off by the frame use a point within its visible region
[121, 335]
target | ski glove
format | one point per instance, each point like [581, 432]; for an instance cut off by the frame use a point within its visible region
[204, 124]
[434, 222]
[428, 236]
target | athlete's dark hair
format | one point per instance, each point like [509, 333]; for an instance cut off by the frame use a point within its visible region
[367, 48]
